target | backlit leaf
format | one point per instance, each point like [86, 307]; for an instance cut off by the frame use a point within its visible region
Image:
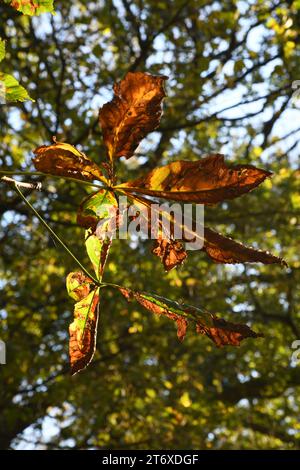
[11, 89]
[171, 252]
[2, 49]
[63, 159]
[226, 250]
[207, 181]
[83, 330]
[134, 112]
[32, 7]
[99, 210]
[220, 331]
[219, 248]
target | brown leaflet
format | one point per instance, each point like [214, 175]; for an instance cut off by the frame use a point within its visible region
[31, 7]
[207, 181]
[225, 333]
[83, 329]
[83, 332]
[218, 330]
[78, 285]
[63, 159]
[134, 112]
[225, 250]
[170, 252]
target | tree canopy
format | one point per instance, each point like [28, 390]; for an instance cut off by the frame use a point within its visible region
[232, 89]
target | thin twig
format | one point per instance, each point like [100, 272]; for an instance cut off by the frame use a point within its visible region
[39, 173]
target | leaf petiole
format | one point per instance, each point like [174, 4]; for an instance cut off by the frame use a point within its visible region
[57, 238]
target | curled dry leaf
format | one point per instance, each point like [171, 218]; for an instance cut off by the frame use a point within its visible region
[63, 159]
[207, 181]
[182, 325]
[220, 331]
[134, 112]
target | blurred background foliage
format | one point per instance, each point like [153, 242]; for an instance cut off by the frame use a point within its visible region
[231, 65]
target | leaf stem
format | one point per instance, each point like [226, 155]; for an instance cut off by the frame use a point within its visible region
[57, 238]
